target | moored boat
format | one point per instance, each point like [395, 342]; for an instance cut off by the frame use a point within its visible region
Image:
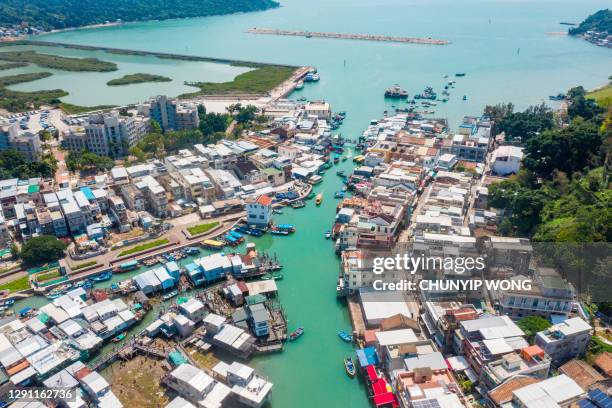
[120, 337]
[298, 204]
[396, 92]
[126, 266]
[339, 194]
[349, 366]
[299, 85]
[296, 334]
[460, 74]
[213, 244]
[345, 336]
[170, 295]
[319, 199]
[328, 234]
[191, 251]
[104, 276]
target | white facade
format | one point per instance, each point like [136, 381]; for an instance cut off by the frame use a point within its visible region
[506, 160]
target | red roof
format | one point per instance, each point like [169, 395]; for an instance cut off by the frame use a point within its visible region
[264, 200]
[383, 399]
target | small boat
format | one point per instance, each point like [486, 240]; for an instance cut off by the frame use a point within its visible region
[7, 302]
[277, 211]
[126, 266]
[296, 334]
[460, 74]
[340, 173]
[319, 199]
[170, 295]
[345, 336]
[316, 77]
[336, 158]
[213, 244]
[276, 231]
[120, 337]
[396, 92]
[191, 250]
[344, 158]
[339, 194]
[316, 179]
[311, 195]
[299, 85]
[298, 204]
[104, 276]
[349, 366]
[328, 234]
[465, 97]
[285, 227]
[54, 295]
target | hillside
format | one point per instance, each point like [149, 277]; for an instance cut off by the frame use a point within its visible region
[600, 21]
[57, 14]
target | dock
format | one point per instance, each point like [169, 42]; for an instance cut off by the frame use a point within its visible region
[346, 36]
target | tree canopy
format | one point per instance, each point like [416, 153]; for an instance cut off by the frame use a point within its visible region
[42, 249]
[88, 161]
[56, 14]
[531, 325]
[14, 164]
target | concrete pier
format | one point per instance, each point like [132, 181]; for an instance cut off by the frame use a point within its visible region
[345, 36]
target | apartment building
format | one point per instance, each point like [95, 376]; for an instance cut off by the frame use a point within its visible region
[134, 198]
[219, 156]
[531, 361]
[155, 196]
[259, 210]
[508, 252]
[226, 184]
[28, 144]
[565, 340]
[172, 115]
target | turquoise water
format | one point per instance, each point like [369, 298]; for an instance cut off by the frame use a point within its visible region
[501, 45]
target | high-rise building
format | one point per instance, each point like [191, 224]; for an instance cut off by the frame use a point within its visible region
[171, 115]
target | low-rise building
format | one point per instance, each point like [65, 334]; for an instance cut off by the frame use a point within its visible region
[565, 340]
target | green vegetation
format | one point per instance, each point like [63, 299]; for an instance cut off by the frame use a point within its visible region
[531, 325]
[603, 95]
[596, 347]
[563, 193]
[16, 285]
[137, 79]
[58, 62]
[42, 249]
[15, 101]
[256, 82]
[41, 277]
[21, 78]
[76, 109]
[14, 164]
[87, 161]
[11, 65]
[84, 265]
[46, 14]
[144, 247]
[202, 228]
[601, 21]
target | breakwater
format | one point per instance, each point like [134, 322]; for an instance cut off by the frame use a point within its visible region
[346, 36]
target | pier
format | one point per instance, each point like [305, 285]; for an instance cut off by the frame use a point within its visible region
[346, 36]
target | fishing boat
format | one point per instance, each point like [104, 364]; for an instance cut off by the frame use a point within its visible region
[104, 276]
[345, 336]
[170, 295]
[460, 74]
[396, 92]
[276, 231]
[126, 266]
[54, 294]
[339, 194]
[191, 250]
[296, 334]
[120, 337]
[316, 77]
[213, 244]
[319, 199]
[340, 173]
[85, 284]
[7, 302]
[298, 204]
[328, 234]
[311, 195]
[316, 179]
[285, 227]
[299, 85]
[349, 366]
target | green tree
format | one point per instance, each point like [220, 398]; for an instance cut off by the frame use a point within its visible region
[531, 325]
[523, 126]
[246, 114]
[42, 249]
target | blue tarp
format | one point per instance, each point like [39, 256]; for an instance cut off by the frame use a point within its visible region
[88, 193]
[367, 356]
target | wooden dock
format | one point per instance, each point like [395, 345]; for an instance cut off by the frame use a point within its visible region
[346, 36]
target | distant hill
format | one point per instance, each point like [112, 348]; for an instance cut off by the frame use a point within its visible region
[56, 14]
[600, 21]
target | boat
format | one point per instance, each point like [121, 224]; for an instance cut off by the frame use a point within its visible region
[212, 244]
[344, 158]
[277, 211]
[396, 92]
[104, 276]
[316, 179]
[345, 336]
[298, 204]
[299, 85]
[328, 234]
[54, 295]
[310, 196]
[460, 74]
[170, 295]
[465, 97]
[126, 266]
[319, 199]
[120, 337]
[336, 158]
[191, 250]
[7, 302]
[316, 77]
[285, 227]
[296, 334]
[276, 231]
[339, 194]
[349, 366]
[340, 173]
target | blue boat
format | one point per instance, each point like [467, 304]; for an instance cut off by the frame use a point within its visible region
[235, 234]
[345, 336]
[297, 333]
[191, 251]
[104, 276]
[7, 302]
[286, 227]
[339, 194]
